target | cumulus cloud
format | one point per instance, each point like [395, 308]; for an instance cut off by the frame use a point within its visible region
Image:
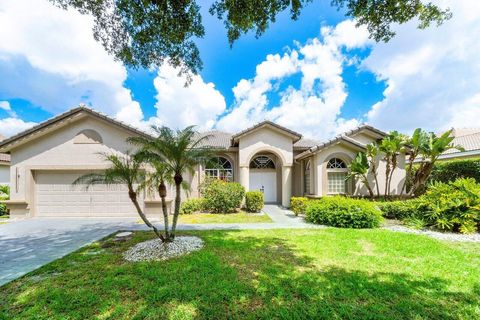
[12, 124]
[48, 56]
[432, 75]
[179, 106]
[312, 109]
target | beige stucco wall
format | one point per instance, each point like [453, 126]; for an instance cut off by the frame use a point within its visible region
[347, 153]
[57, 150]
[4, 174]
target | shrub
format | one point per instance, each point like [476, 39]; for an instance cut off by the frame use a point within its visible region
[401, 209]
[4, 195]
[223, 197]
[344, 213]
[298, 205]
[192, 205]
[453, 206]
[254, 201]
[451, 170]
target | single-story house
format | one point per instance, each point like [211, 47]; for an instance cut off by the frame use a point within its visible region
[469, 139]
[47, 158]
[4, 166]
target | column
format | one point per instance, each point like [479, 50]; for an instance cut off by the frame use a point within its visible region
[286, 185]
[245, 177]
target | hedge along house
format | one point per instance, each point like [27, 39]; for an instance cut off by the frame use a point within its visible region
[4, 167]
[47, 158]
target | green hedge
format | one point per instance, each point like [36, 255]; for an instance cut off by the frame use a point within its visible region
[401, 210]
[4, 195]
[223, 197]
[344, 213]
[254, 201]
[298, 205]
[446, 171]
[192, 205]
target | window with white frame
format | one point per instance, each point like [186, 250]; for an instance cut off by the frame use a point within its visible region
[262, 162]
[336, 175]
[306, 178]
[219, 168]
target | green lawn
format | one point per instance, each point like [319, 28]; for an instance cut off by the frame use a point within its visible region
[262, 274]
[240, 217]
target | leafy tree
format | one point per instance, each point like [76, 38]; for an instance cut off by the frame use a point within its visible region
[146, 33]
[416, 145]
[391, 146]
[359, 167]
[123, 170]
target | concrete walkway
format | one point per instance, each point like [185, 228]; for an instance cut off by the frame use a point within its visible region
[29, 244]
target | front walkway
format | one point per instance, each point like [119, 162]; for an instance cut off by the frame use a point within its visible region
[29, 244]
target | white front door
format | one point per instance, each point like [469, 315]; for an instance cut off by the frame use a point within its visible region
[265, 181]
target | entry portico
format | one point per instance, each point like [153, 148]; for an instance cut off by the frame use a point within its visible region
[263, 140]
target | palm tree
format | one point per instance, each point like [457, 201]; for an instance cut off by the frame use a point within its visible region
[372, 154]
[126, 170]
[359, 167]
[416, 144]
[180, 151]
[391, 146]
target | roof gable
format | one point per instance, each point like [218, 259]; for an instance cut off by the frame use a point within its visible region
[267, 124]
[60, 121]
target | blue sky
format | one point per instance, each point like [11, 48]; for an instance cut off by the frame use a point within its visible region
[318, 75]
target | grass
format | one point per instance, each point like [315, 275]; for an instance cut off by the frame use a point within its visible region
[240, 217]
[260, 274]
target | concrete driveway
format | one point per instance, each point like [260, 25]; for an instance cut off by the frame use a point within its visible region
[26, 245]
[29, 244]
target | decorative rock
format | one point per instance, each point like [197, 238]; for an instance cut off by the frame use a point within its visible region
[448, 236]
[123, 234]
[156, 250]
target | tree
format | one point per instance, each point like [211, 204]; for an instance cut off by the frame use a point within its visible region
[372, 154]
[123, 170]
[391, 146]
[179, 152]
[432, 148]
[417, 145]
[359, 167]
[148, 33]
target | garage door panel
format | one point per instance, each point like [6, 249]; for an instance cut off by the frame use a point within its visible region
[56, 196]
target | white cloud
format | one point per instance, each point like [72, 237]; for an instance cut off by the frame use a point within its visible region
[11, 125]
[312, 109]
[432, 75]
[179, 106]
[50, 58]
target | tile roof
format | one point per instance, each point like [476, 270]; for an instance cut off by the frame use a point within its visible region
[469, 139]
[267, 122]
[215, 139]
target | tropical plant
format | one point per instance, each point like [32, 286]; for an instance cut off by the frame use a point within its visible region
[372, 151]
[126, 170]
[432, 146]
[180, 152]
[298, 205]
[391, 146]
[416, 145]
[359, 168]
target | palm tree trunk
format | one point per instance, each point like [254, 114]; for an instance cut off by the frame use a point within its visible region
[387, 174]
[375, 176]
[367, 184]
[162, 192]
[178, 199]
[394, 165]
[408, 175]
[133, 197]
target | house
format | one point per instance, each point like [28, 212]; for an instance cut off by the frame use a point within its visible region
[4, 166]
[47, 158]
[469, 139]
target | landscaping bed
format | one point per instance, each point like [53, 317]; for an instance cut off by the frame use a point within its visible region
[259, 274]
[239, 217]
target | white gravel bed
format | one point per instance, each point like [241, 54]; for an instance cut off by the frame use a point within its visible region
[154, 250]
[474, 237]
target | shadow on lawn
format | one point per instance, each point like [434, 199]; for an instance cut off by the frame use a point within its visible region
[233, 277]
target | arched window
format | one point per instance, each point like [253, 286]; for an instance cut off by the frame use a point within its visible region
[336, 175]
[88, 136]
[262, 162]
[306, 178]
[219, 168]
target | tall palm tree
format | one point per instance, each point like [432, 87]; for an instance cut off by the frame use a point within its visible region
[391, 146]
[372, 154]
[126, 170]
[181, 151]
[417, 144]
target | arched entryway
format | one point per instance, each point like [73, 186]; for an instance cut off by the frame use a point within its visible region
[264, 176]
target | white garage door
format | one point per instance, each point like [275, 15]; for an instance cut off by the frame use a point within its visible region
[57, 197]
